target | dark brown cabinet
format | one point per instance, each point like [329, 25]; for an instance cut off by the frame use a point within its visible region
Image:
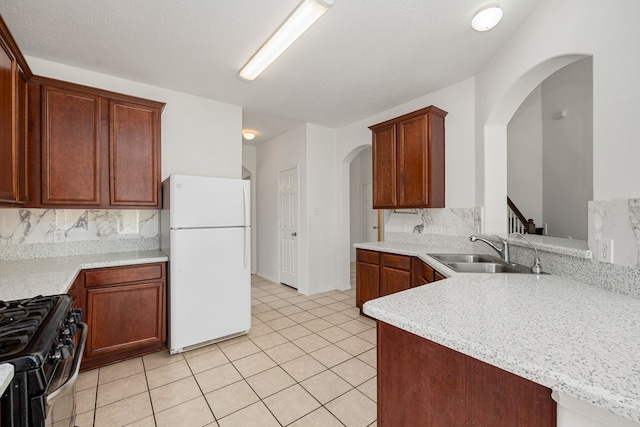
[14, 74]
[367, 276]
[395, 273]
[134, 152]
[409, 161]
[92, 148]
[423, 273]
[423, 384]
[125, 310]
[379, 274]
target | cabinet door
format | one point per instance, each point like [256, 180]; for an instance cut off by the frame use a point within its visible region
[384, 167]
[367, 282]
[8, 161]
[393, 280]
[71, 147]
[124, 317]
[420, 383]
[413, 163]
[134, 150]
[422, 273]
[21, 136]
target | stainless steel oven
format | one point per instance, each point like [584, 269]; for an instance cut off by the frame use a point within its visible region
[44, 338]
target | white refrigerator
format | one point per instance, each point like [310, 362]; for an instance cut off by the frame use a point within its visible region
[206, 233]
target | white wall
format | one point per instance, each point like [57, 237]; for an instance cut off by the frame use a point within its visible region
[568, 149]
[557, 33]
[285, 151]
[524, 157]
[360, 174]
[199, 136]
[312, 149]
[322, 209]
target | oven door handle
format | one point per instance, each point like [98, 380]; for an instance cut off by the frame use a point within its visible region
[75, 366]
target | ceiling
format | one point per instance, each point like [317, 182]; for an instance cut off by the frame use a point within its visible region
[360, 58]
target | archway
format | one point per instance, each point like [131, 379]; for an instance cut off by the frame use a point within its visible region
[344, 264]
[495, 139]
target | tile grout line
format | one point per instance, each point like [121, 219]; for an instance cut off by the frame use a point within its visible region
[283, 296]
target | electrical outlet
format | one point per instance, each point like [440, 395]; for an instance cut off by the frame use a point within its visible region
[605, 250]
[59, 236]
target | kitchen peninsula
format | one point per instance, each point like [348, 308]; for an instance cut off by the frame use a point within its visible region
[577, 340]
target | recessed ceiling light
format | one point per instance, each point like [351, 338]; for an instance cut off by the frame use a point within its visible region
[297, 23]
[486, 18]
[248, 135]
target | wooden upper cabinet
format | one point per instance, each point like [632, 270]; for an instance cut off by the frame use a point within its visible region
[409, 161]
[14, 74]
[384, 167]
[134, 150]
[71, 147]
[7, 128]
[92, 148]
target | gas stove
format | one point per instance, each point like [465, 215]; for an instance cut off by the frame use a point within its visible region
[39, 337]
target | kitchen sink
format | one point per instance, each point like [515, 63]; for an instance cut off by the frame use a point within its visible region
[483, 267]
[446, 258]
[474, 263]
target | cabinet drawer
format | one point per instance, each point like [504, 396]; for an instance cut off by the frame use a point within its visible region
[400, 262]
[114, 276]
[427, 272]
[369, 257]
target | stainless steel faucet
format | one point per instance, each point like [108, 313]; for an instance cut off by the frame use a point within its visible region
[536, 268]
[503, 252]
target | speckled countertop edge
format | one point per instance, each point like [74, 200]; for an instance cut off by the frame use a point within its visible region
[26, 278]
[557, 332]
[6, 375]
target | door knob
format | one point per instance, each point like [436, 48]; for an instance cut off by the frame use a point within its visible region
[294, 234]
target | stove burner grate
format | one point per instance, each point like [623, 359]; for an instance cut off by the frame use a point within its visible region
[19, 322]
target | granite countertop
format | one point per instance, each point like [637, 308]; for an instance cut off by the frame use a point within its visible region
[48, 276]
[563, 334]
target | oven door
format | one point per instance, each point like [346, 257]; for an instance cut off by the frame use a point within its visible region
[61, 401]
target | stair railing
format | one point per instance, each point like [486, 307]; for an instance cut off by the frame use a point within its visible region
[517, 223]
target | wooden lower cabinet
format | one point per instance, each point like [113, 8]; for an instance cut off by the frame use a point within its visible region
[367, 276]
[379, 274]
[424, 384]
[395, 273]
[125, 309]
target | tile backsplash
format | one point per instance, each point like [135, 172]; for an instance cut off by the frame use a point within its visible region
[36, 233]
[619, 220]
[445, 221]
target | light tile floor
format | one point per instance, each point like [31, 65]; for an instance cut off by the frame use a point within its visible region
[308, 361]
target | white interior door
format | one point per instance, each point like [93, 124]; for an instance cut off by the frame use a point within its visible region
[369, 215]
[288, 225]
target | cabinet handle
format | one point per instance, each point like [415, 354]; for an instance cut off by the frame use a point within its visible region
[294, 234]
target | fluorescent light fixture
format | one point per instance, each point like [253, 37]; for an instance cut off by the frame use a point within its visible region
[248, 134]
[297, 23]
[486, 18]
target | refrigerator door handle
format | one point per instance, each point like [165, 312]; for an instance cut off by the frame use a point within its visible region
[247, 246]
[247, 212]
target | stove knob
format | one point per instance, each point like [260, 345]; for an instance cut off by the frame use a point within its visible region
[56, 354]
[75, 316]
[65, 353]
[70, 330]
